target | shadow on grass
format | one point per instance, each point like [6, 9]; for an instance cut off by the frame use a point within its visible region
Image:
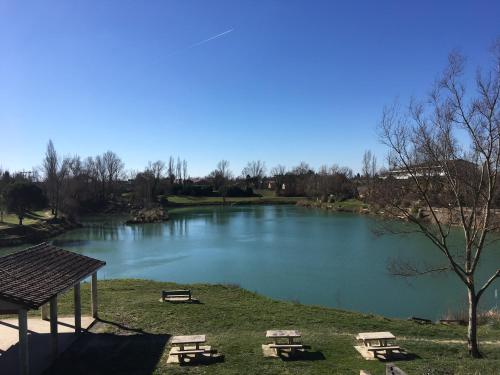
[122, 327]
[193, 301]
[39, 352]
[132, 352]
[399, 357]
[34, 215]
[305, 355]
[203, 360]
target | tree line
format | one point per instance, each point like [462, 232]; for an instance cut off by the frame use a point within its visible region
[74, 185]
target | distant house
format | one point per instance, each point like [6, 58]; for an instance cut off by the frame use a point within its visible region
[429, 169]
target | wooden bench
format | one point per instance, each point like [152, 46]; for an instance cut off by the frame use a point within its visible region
[188, 351]
[183, 353]
[291, 347]
[286, 346]
[387, 349]
[176, 296]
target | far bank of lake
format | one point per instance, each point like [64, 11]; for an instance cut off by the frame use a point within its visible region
[285, 252]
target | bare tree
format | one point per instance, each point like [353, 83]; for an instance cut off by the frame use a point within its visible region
[100, 169]
[184, 171]
[424, 143]
[256, 170]
[223, 169]
[50, 167]
[369, 169]
[171, 170]
[366, 164]
[113, 167]
[55, 172]
[278, 173]
[90, 168]
[144, 187]
[221, 177]
[369, 165]
[178, 169]
[302, 169]
[2, 195]
[156, 170]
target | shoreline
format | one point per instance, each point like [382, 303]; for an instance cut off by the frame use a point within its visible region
[16, 235]
[179, 202]
[351, 206]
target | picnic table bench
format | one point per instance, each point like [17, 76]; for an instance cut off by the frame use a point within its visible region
[376, 342]
[387, 349]
[369, 338]
[278, 336]
[184, 341]
[176, 295]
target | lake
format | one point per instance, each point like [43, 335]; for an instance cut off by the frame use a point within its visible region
[284, 252]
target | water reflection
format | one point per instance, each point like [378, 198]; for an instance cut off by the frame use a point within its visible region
[179, 226]
[151, 230]
[103, 230]
[70, 242]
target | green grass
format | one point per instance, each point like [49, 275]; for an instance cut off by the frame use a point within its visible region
[32, 217]
[235, 321]
[351, 204]
[183, 200]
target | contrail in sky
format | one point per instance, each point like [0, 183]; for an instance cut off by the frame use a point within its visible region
[203, 41]
[211, 38]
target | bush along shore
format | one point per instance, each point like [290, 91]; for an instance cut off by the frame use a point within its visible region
[349, 205]
[148, 215]
[131, 336]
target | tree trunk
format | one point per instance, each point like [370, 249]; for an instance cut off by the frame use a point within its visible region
[472, 328]
[20, 220]
[56, 209]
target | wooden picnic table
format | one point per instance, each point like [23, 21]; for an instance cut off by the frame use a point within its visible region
[183, 341]
[277, 334]
[369, 338]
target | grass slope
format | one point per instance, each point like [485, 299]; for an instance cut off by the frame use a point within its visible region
[32, 217]
[184, 200]
[235, 321]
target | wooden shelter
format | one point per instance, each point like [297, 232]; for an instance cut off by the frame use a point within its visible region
[34, 278]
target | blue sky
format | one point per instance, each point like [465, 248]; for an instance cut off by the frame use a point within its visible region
[288, 81]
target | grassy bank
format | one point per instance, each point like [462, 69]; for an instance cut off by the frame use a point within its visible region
[134, 339]
[36, 227]
[32, 217]
[187, 201]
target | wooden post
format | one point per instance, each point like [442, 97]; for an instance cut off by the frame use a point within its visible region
[53, 327]
[78, 310]
[45, 312]
[93, 287]
[24, 359]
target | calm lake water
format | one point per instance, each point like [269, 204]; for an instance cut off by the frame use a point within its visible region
[285, 252]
